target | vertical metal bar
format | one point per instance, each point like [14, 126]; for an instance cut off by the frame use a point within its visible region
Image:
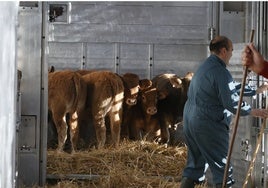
[117, 68]
[265, 143]
[43, 97]
[84, 56]
[151, 61]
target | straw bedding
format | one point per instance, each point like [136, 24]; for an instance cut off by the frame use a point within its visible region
[133, 164]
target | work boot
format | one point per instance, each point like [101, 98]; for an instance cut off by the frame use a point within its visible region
[187, 183]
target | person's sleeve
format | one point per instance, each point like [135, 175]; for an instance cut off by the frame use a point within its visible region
[248, 91]
[229, 95]
[264, 71]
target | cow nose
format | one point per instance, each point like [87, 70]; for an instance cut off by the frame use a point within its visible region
[151, 110]
[131, 101]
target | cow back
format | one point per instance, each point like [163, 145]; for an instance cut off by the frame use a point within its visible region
[66, 88]
[103, 86]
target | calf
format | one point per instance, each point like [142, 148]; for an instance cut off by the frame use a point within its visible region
[131, 89]
[140, 119]
[66, 95]
[173, 95]
[105, 95]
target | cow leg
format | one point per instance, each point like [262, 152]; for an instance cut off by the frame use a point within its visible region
[164, 135]
[115, 123]
[135, 129]
[100, 128]
[73, 123]
[61, 126]
[84, 128]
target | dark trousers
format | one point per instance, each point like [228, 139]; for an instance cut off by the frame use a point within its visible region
[207, 142]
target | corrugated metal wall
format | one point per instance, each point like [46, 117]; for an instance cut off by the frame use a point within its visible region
[146, 38]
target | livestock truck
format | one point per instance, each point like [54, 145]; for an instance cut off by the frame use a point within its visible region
[146, 38]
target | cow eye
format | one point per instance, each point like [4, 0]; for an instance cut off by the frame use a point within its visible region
[143, 98]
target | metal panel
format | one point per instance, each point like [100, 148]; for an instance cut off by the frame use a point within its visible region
[29, 54]
[27, 133]
[139, 23]
[135, 58]
[100, 56]
[29, 173]
[125, 36]
[178, 59]
[65, 55]
[130, 34]
[232, 22]
[161, 13]
[29, 62]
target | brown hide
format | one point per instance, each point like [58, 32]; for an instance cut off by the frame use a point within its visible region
[84, 72]
[130, 81]
[141, 120]
[131, 85]
[173, 95]
[131, 89]
[66, 95]
[105, 99]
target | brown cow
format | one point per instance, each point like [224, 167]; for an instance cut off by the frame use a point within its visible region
[173, 92]
[105, 95]
[130, 81]
[66, 95]
[140, 119]
[131, 89]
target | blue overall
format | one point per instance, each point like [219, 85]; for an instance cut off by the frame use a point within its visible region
[212, 99]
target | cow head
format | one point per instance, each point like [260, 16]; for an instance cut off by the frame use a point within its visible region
[148, 97]
[167, 83]
[131, 85]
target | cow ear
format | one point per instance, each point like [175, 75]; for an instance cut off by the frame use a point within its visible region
[145, 83]
[175, 82]
[189, 75]
[51, 69]
[162, 95]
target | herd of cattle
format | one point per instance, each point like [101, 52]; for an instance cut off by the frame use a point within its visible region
[90, 106]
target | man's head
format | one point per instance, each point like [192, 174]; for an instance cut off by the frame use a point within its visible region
[222, 47]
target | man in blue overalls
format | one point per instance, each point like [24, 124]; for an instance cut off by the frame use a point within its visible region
[212, 99]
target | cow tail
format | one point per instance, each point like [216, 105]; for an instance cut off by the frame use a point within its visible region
[77, 84]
